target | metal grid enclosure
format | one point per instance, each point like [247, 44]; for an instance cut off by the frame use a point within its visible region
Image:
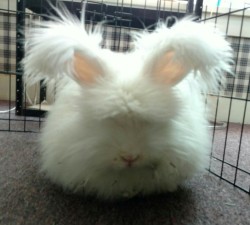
[23, 109]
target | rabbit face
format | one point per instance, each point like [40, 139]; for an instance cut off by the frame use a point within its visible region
[125, 89]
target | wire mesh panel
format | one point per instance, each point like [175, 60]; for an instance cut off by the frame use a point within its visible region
[24, 108]
[230, 114]
[12, 94]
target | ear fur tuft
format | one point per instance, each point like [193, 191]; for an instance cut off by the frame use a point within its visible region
[196, 47]
[51, 46]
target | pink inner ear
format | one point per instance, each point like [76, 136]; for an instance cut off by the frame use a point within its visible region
[85, 69]
[170, 71]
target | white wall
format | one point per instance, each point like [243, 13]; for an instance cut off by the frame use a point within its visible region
[231, 25]
[7, 91]
[8, 4]
[236, 110]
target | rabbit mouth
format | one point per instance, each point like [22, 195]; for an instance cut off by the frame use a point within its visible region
[132, 165]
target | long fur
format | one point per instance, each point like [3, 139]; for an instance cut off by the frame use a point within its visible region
[200, 47]
[126, 110]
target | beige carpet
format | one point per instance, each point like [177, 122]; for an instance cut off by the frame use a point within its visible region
[28, 198]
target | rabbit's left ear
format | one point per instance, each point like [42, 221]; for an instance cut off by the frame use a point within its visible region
[170, 54]
[168, 70]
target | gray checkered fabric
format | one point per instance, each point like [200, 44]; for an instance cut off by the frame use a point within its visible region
[118, 39]
[238, 86]
[7, 42]
[8, 39]
[115, 38]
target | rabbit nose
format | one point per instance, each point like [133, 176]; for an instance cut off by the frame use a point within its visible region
[129, 159]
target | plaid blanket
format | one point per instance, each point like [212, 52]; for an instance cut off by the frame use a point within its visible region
[118, 39]
[240, 85]
[7, 42]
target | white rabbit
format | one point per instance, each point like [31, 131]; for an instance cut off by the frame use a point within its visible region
[126, 124]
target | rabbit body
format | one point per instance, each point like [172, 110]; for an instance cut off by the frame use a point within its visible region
[126, 124]
[88, 130]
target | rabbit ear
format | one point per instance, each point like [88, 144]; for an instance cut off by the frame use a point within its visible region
[171, 53]
[62, 47]
[168, 70]
[85, 69]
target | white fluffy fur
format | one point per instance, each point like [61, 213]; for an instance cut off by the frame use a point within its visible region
[126, 110]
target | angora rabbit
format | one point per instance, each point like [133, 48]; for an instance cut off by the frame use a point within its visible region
[126, 124]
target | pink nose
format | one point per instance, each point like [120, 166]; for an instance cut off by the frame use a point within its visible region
[129, 159]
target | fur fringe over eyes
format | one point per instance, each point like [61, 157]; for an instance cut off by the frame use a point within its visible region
[58, 47]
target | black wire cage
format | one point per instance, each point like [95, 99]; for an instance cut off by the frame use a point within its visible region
[23, 109]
